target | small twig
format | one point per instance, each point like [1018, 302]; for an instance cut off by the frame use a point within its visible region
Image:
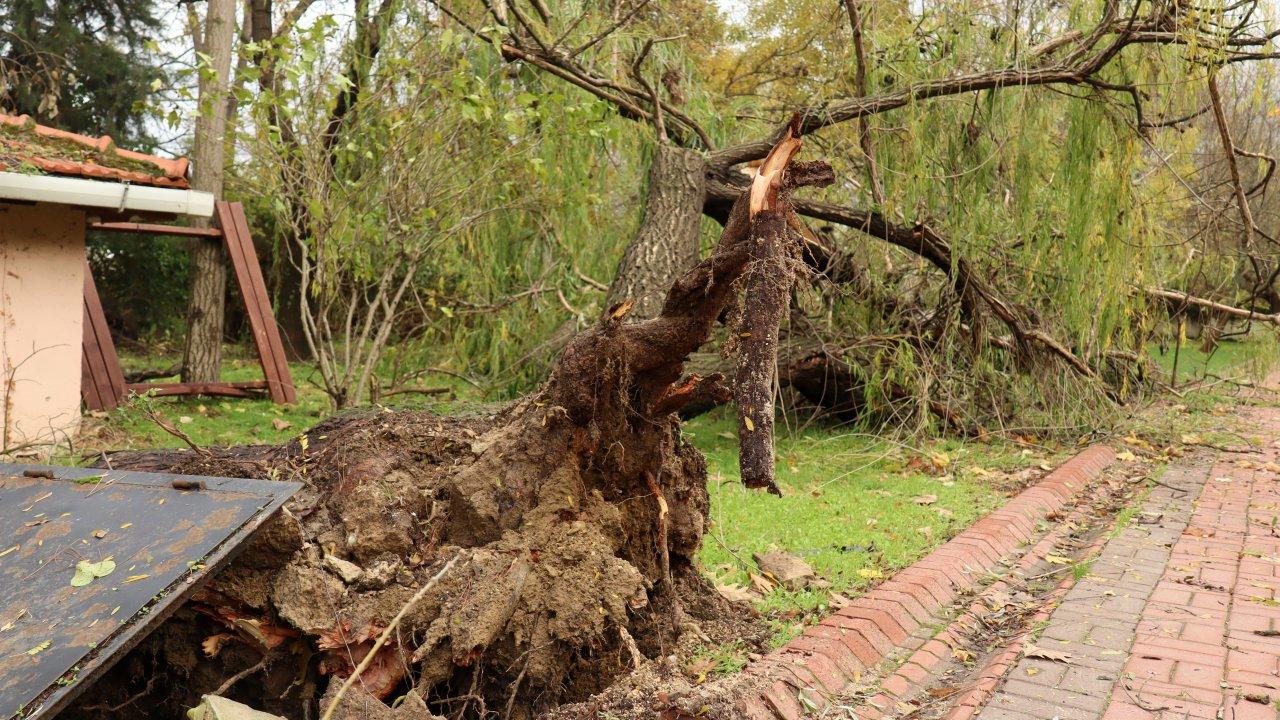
[1149, 708]
[382, 639]
[419, 391]
[240, 676]
[156, 417]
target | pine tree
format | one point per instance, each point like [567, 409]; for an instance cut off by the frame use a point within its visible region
[81, 65]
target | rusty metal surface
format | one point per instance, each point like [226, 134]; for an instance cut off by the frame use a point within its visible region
[56, 638]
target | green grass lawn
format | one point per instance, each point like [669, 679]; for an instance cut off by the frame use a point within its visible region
[856, 507]
[236, 421]
[1252, 359]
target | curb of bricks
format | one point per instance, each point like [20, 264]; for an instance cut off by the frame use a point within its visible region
[920, 666]
[830, 657]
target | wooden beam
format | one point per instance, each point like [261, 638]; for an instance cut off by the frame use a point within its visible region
[154, 229]
[223, 389]
[101, 380]
[262, 321]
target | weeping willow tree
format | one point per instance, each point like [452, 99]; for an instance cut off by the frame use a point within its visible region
[1004, 203]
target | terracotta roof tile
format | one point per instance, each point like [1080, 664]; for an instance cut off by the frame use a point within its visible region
[59, 152]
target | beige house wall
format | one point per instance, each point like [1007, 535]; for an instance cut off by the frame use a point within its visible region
[41, 316]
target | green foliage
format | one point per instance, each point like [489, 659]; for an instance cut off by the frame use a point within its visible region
[143, 283]
[82, 65]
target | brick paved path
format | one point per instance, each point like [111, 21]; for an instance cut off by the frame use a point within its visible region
[1180, 615]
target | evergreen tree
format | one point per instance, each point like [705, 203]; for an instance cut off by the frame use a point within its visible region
[81, 65]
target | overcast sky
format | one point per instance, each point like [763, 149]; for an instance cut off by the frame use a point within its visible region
[735, 9]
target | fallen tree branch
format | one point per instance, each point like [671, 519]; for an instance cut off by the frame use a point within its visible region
[923, 241]
[1176, 298]
[1242, 196]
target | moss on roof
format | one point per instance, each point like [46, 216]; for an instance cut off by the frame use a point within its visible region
[19, 143]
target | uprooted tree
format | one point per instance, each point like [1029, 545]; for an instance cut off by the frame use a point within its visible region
[571, 518]
[1113, 64]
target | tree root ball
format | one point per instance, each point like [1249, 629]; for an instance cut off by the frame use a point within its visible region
[558, 565]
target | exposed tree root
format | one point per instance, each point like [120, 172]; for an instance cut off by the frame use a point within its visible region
[574, 516]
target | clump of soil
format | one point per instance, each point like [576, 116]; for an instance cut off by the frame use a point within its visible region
[572, 518]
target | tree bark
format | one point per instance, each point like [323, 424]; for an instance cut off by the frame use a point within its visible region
[202, 360]
[667, 242]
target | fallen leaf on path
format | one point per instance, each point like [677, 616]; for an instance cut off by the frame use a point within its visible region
[1126, 456]
[40, 648]
[943, 692]
[1039, 653]
[1058, 559]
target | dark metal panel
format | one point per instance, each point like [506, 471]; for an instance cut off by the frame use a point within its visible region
[55, 639]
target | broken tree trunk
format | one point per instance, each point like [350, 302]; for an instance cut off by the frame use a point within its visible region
[572, 519]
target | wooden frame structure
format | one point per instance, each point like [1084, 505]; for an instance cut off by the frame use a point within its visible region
[102, 383]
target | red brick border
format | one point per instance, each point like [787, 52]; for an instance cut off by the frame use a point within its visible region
[830, 657]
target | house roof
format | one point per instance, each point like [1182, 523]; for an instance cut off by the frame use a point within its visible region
[28, 147]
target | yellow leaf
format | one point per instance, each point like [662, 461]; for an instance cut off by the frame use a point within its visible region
[746, 420]
[1058, 559]
[40, 648]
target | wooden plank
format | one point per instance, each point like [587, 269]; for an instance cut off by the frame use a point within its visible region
[262, 323]
[156, 229]
[88, 388]
[102, 380]
[227, 220]
[107, 346]
[223, 389]
[287, 392]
